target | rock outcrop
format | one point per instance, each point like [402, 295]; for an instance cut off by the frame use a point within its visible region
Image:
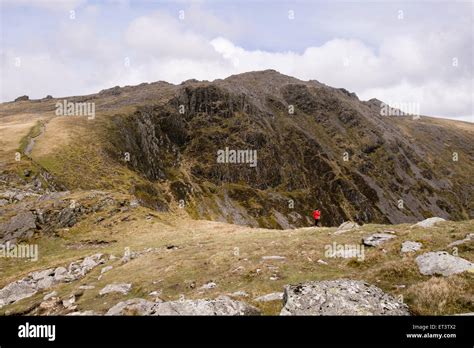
[377, 239]
[45, 279]
[339, 297]
[222, 305]
[442, 263]
[430, 222]
[410, 247]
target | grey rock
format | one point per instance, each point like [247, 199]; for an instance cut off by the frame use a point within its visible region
[430, 222]
[274, 257]
[19, 227]
[275, 296]
[41, 274]
[410, 247]
[69, 303]
[60, 274]
[346, 226]
[442, 263]
[469, 238]
[122, 288]
[45, 283]
[377, 239]
[222, 305]
[207, 286]
[339, 297]
[16, 291]
[106, 269]
[135, 306]
[50, 295]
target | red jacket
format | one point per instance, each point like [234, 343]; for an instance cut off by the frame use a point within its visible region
[316, 214]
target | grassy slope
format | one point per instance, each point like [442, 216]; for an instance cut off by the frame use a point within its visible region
[206, 252]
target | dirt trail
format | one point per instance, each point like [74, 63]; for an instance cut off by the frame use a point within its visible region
[32, 140]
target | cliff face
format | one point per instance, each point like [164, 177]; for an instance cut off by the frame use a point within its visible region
[315, 146]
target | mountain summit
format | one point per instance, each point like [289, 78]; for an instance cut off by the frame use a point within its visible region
[314, 146]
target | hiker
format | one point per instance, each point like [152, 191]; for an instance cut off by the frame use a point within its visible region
[316, 215]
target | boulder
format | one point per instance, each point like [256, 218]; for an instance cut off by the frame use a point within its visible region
[122, 288]
[19, 227]
[442, 263]
[410, 247]
[377, 239]
[222, 305]
[16, 291]
[430, 222]
[339, 297]
[346, 226]
[135, 306]
[41, 274]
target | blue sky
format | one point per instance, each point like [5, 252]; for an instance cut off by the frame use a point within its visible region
[399, 52]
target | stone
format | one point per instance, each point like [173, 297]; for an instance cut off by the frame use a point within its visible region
[207, 286]
[430, 222]
[442, 263]
[322, 262]
[155, 293]
[106, 269]
[273, 257]
[38, 275]
[19, 227]
[223, 305]
[469, 238]
[45, 283]
[135, 306]
[16, 291]
[69, 303]
[377, 239]
[60, 274]
[346, 226]
[275, 296]
[122, 288]
[50, 295]
[339, 297]
[410, 247]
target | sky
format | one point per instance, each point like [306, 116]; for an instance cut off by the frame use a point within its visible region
[401, 52]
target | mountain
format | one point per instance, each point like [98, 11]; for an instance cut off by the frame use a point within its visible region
[316, 147]
[110, 194]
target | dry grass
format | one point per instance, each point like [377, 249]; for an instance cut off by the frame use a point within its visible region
[206, 251]
[441, 296]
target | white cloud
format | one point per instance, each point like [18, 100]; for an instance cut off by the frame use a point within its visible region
[402, 68]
